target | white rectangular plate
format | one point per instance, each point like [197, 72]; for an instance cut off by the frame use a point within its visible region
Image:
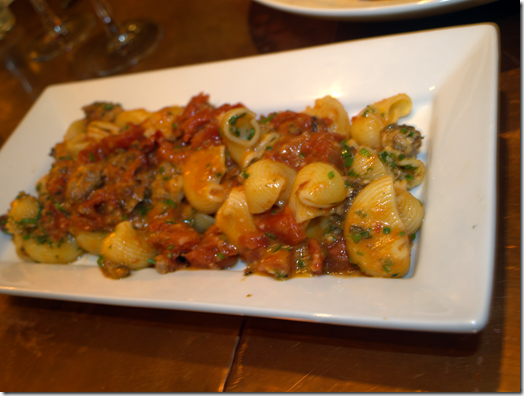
[450, 74]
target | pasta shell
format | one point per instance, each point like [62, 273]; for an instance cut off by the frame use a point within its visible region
[240, 126]
[241, 133]
[321, 185]
[244, 156]
[64, 252]
[203, 222]
[24, 212]
[91, 241]
[233, 218]
[41, 185]
[266, 140]
[376, 237]
[18, 241]
[78, 143]
[329, 107]
[269, 183]
[367, 125]
[367, 164]
[127, 247]
[164, 121]
[317, 186]
[411, 211]
[414, 170]
[135, 117]
[75, 129]
[99, 129]
[201, 177]
[175, 187]
[239, 153]
[396, 107]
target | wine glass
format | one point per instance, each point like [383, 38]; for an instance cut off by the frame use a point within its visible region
[7, 19]
[122, 45]
[60, 35]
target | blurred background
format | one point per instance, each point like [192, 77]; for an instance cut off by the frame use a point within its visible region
[68, 346]
[200, 31]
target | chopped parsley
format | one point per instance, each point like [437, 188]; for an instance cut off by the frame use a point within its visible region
[358, 233]
[367, 111]
[60, 207]
[364, 152]
[171, 203]
[349, 161]
[388, 158]
[265, 120]
[233, 120]
[361, 214]
[28, 221]
[251, 134]
[388, 263]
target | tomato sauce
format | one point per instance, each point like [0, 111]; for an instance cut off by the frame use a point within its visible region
[304, 140]
[121, 178]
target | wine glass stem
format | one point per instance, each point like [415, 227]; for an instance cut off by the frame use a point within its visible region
[103, 10]
[52, 23]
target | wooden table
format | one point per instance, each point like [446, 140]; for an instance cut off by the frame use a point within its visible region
[56, 346]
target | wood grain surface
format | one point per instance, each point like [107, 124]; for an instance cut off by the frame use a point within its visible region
[56, 346]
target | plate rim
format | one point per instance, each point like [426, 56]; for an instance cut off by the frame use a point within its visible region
[378, 10]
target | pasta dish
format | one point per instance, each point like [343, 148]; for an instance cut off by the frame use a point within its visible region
[200, 187]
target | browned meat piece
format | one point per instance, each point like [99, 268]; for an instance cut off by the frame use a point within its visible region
[102, 111]
[83, 181]
[123, 166]
[403, 138]
[164, 265]
[113, 270]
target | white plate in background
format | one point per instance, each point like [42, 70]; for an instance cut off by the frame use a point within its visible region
[371, 10]
[454, 92]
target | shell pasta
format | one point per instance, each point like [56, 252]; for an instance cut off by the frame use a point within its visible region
[200, 186]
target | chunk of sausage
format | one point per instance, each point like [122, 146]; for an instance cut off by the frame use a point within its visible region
[403, 138]
[83, 181]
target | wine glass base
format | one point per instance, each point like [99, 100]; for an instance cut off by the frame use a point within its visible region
[103, 56]
[49, 45]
